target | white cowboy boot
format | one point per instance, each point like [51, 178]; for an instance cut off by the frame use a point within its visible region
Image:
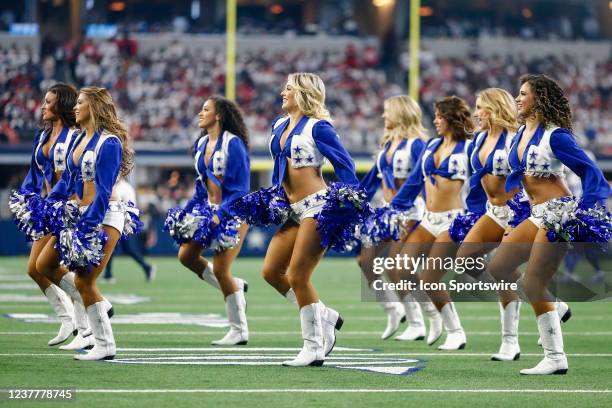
[83, 339]
[509, 349]
[416, 323]
[455, 336]
[554, 361]
[312, 353]
[391, 304]
[62, 305]
[330, 321]
[104, 348]
[238, 334]
[564, 312]
[435, 321]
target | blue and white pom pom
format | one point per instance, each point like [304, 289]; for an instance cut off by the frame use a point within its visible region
[264, 207]
[218, 237]
[60, 215]
[28, 210]
[345, 208]
[461, 225]
[132, 224]
[568, 219]
[198, 225]
[81, 249]
[385, 224]
[521, 209]
[182, 225]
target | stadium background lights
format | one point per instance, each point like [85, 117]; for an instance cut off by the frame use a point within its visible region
[117, 6]
[527, 13]
[383, 3]
[276, 9]
[426, 11]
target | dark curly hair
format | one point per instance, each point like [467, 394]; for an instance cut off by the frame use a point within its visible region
[64, 104]
[231, 118]
[457, 114]
[550, 102]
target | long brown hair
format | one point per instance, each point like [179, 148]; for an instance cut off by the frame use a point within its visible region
[457, 114]
[104, 118]
[550, 101]
[66, 96]
[231, 118]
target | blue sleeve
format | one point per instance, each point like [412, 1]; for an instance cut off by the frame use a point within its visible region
[34, 180]
[404, 199]
[64, 188]
[595, 186]
[237, 180]
[417, 148]
[371, 182]
[200, 191]
[108, 164]
[476, 200]
[328, 143]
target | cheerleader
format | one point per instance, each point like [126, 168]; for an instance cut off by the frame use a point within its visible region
[402, 145]
[538, 155]
[223, 168]
[488, 214]
[87, 228]
[314, 216]
[442, 171]
[46, 167]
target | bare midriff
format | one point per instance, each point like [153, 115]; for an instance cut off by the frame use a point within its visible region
[89, 193]
[214, 191]
[445, 195]
[495, 188]
[302, 182]
[542, 189]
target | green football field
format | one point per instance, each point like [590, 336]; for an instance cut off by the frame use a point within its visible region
[162, 362]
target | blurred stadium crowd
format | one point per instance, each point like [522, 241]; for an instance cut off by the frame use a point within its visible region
[161, 92]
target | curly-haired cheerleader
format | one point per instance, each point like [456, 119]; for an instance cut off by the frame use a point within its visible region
[223, 167]
[320, 216]
[538, 155]
[48, 162]
[402, 145]
[88, 227]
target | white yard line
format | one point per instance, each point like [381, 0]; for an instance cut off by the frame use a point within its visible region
[341, 390]
[282, 333]
[402, 354]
